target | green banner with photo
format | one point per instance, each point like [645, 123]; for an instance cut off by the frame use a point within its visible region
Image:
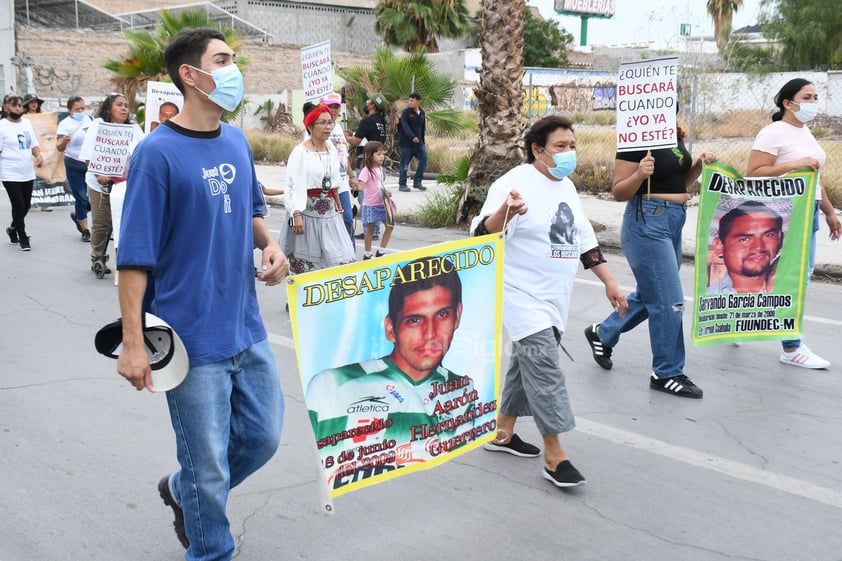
[752, 255]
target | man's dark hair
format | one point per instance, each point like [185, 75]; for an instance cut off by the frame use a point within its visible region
[726, 223]
[187, 47]
[415, 95]
[541, 130]
[168, 104]
[409, 283]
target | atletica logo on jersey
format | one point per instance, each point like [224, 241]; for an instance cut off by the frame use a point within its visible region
[218, 179]
[369, 404]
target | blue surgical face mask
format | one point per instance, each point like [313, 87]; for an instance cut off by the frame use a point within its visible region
[80, 116]
[565, 163]
[228, 92]
[806, 112]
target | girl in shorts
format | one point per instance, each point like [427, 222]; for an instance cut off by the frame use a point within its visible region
[375, 198]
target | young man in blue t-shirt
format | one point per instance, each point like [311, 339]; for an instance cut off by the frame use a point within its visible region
[192, 217]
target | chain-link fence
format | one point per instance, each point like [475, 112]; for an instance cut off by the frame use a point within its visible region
[720, 112]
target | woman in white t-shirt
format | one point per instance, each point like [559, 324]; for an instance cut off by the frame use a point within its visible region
[19, 154]
[113, 109]
[70, 136]
[784, 146]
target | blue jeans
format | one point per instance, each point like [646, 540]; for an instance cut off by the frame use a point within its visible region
[75, 171]
[227, 418]
[790, 345]
[418, 151]
[651, 241]
[348, 215]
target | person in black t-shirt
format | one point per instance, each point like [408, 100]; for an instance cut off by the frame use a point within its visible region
[371, 127]
[655, 185]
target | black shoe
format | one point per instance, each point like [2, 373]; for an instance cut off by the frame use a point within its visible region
[679, 385]
[379, 253]
[24, 243]
[375, 237]
[601, 353]
[86, 236]
[367, 257]
[105, 270]
[164, 491]
[419, 187]
[359, 237]
[76, 222]
[404, 188]
[13, 235]
[515, 446]
[565, 475]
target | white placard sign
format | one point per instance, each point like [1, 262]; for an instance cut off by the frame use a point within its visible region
[111, 149]
[163, 102]
[646, 104]
[316, 71]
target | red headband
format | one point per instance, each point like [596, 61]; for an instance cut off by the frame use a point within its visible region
[311, 117]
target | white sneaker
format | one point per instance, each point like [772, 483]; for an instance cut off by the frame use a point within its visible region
[805, 358]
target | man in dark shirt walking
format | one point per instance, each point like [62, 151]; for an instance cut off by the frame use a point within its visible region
[411, 130]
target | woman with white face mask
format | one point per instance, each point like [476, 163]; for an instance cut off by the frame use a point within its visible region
[786, 145]
[71, 134]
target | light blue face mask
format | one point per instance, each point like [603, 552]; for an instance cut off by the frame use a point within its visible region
[80, 116]
[565, 163]
[806, 111]
[228, 82]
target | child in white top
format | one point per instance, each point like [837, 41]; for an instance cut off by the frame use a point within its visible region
[375, 198]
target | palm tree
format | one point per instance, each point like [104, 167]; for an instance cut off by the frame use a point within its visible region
[145, 60]
[414, 25]
[722, 13]
[500, 96]
[393, 76]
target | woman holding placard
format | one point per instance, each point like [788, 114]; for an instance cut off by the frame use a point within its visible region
[655, 185]
[784, 146]
[102, 177]
[70, 137]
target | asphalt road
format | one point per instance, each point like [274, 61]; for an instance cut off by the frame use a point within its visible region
[750, 472]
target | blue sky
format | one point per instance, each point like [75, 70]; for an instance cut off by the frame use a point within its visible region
[642, 20]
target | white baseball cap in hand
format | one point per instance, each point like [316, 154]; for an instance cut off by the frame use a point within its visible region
[167, 355]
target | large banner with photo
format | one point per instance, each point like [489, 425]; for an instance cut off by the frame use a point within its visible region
[399, 358]
[752, 255]
[163, 102]
[49, 188]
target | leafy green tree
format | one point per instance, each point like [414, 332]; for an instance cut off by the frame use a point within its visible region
[810, 32]
[415, 25]
[545, 43]
[145, 60]
[393, 76]
[722, 13]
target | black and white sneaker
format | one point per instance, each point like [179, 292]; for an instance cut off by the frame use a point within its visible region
[601, 353]
[679, 385]
[23, 239]
[565, 475]
[13, 235]
[515, 446]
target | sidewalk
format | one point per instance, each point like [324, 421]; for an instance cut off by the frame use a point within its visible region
[604, 212]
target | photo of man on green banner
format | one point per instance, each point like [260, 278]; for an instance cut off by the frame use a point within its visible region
[752, 255]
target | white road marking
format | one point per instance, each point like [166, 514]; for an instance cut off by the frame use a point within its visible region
[797, 487]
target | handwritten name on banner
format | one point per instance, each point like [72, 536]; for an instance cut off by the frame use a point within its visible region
[646, 104]
[752, 255]
[316, 70]
[400, 358]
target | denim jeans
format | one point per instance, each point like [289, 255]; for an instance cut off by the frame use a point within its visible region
[651, 241]
[790, 345]
[75, 171]
[227, 418]
[418, 151]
